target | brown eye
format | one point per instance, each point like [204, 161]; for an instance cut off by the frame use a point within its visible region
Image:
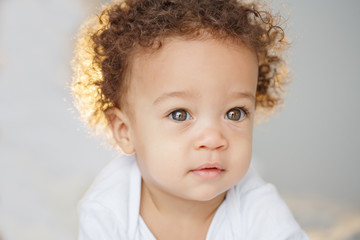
[180, 115]
[235, 114]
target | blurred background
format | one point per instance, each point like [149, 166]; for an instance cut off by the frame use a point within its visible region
[310, 150]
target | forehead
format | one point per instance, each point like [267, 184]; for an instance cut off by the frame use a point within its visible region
[178, 48]
[189, 64]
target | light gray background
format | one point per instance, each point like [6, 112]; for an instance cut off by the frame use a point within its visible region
[310, 150]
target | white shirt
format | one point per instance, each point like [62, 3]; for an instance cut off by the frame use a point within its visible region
[252, 209]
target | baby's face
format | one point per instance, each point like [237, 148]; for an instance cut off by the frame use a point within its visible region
[192, 106]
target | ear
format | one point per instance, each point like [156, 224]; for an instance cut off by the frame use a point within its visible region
[119, 124]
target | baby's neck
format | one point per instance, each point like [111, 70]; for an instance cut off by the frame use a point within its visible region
[170, 217]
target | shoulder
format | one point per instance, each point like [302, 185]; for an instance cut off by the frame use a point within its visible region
[263, 212]
[112, 182]
[104, 207]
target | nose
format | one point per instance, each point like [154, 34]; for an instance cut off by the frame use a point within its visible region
[211, 139]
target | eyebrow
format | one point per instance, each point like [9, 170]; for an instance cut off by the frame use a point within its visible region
[185, 94]
[177, 94]
[248, 95]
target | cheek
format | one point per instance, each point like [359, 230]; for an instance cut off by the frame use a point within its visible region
[151, 140]
[241, 147]
[160, 162]
[247, 143]
[242, 134]
[155, 145]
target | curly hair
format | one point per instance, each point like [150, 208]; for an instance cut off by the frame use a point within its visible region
[106, 45]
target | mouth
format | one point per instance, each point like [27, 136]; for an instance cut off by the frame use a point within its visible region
[208, 171]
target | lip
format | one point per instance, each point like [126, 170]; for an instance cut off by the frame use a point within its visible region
[208, 171]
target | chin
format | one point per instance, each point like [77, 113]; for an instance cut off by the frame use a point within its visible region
[205, 197]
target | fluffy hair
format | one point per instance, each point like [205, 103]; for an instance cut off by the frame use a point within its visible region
[107, 44]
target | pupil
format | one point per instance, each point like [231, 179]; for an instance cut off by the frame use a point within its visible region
[234, 115]
[180, 115]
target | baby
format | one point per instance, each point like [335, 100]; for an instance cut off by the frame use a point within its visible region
[177, 84]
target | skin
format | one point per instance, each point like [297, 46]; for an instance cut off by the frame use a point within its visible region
[211, 85]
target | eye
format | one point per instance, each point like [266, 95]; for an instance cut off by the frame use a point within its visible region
[180, 115]
[236, 114]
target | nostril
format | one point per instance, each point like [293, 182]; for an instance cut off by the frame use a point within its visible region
[220, 147]
[211, 142]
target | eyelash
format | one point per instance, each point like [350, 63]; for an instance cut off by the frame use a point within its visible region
[244, 113]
